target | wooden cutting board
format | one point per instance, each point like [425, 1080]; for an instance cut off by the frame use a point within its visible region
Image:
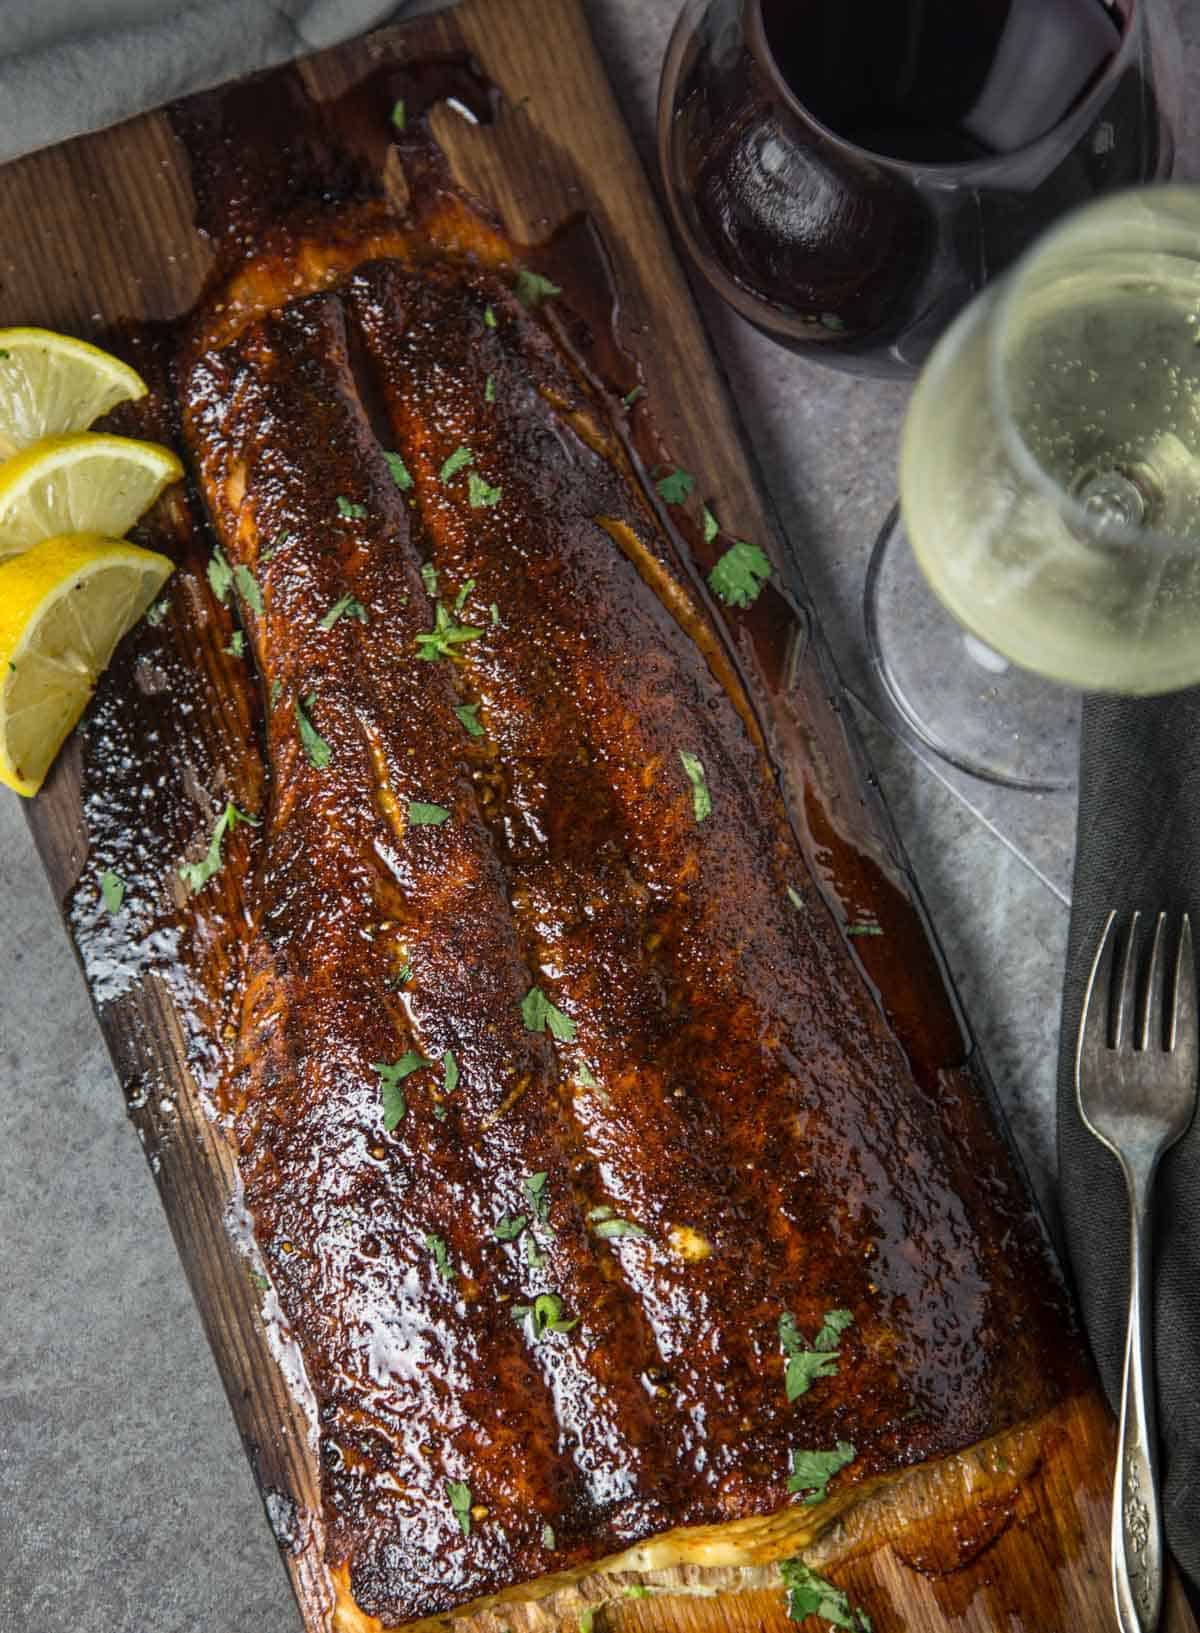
[101, 232]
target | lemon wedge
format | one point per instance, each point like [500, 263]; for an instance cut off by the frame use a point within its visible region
[51, 383]
[64, 605]
[79, 481]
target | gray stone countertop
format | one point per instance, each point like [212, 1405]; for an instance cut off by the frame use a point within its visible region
[126, 1504]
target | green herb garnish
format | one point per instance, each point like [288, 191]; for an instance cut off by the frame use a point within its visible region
[460, 1501]
[318, 750]
[399, 470]
[632, 397]
[347, 607]
[466, 715]
[534, 1186]
[450, 1066]
[675, 486]
[812, 1471]
[220, 575]
[346, 507]
[489, 317]
[711, 525]
[276, 688]
[584, 1078]
[495, 612]
[277, 543]
[441, 1256]
[112, 888]
[446, 634]
[421, 815]
[237, 645]
[399, 114]
[538, 1013]
[864, 929]
[701, 798]
[489, 389]
[533, 1258]
[606, 1229]
[248, 589]
[531, 287]
[738, 578]
[509, 1227]
[429, 577]
[196, 875]
[391, 1094]
[460, 600]
[458, 460]
[547, 1313]
[156, 613]
[548, 1536]
[811, 1595]
[794, 896]
[260, 1281]
[480, 494]
[805, 1363]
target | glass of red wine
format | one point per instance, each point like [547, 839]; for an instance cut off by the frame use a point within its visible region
[848, 173]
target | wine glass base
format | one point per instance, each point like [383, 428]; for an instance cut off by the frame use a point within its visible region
[953, 694]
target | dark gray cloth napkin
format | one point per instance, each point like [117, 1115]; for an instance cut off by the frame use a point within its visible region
[1138, 847]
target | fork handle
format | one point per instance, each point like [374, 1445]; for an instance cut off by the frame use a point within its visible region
[1137, 1536]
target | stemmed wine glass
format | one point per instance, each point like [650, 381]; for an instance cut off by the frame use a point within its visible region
[1050, 482]
[847, 173]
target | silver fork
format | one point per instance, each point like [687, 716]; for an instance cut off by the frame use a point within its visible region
[1136, 1087]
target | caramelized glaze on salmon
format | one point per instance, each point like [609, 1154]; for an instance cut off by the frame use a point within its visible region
[524, 851]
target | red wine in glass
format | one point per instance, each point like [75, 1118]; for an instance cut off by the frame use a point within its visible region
[848, 173]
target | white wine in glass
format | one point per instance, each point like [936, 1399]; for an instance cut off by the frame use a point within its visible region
[1050, 460]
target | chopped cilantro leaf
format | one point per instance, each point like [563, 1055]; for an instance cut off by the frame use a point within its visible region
[248, 589]
[632, 397]
[739, 576]
[538, 1013]
[812, 1471]
[346, 607]
[460, 1501]
[196, 875]
[547, 1313]
[446, 634]
[276, 688]
[237, 645]
[480, 494]
[318, 750]
[675, 486]
[399, 470]
[112, 888]
[390, 1078]
[509, 1227]
[458, 460]
[495, 612]
[811, 1595]
[711, 525]
[701, 797]
[404, 974]
[548, 1536]
[346, 507]
[441, 1256]
[399, 114]
[277, 543]
[466, 714]
[429, 578]
[534, 1186]
[584, 1078]
[864, 929]
[489, 317]
[156, 613]
[531, 287]
[489, 389]
[260, 1281]
[794, 896]
[220, 575]
[450, 1066]
[460, 600]
[805, 1363]
[421, 815]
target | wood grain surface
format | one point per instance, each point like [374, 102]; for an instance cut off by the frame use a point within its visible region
[101, 233]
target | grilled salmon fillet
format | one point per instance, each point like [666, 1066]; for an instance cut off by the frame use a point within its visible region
[607, 1212]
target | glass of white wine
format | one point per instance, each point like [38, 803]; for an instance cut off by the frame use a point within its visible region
[1048, 535]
